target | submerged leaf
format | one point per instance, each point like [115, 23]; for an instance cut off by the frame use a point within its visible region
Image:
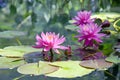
[69, 69]
[37, 68]
[96, 64]
[10, 63]
[11, 34]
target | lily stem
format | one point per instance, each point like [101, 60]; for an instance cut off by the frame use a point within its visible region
[51, 55]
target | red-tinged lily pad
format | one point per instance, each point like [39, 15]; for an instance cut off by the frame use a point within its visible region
[37, 68]
[10, 63]
[96, 64]
[69, 69]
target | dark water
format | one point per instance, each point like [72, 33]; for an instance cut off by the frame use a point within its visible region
[12, 74]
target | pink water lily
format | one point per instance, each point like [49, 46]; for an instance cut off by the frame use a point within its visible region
[50, 41]
[82, 18]
[90, 34]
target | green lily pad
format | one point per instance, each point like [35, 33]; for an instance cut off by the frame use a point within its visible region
[116, 25]
[69, 69]
[96, 64]
[10, 63]
[106, 16]
[113, 59]
[25, 49]
[17, 51]
[37, 68]
[11, 34]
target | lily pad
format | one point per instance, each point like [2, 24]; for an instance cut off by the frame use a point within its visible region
[116, 25]
[113, 59]
[25, 49]
[106, 16]
[37, 68]
[11, 34]
[96, 64]
[10, 63]
[69, 69]
[17, 51]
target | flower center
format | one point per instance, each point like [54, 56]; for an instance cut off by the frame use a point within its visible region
[50, 37]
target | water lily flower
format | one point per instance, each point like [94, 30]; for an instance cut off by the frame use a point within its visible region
[82, 18]
[90, 34]
[49, 41]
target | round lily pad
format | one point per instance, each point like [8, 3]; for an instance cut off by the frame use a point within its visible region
[96, 64]
[69, 69]
[37, 68]
[11, 53]
[11, 34]
[10, 63]
[17, 51]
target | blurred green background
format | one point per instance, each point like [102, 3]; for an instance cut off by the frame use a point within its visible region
[21, 20]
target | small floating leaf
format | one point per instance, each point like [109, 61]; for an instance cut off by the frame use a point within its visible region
[69, 69]
[114, 59]
[10, 63]
[37, 68]
[116, 25]
[96, 64]
[71, 28]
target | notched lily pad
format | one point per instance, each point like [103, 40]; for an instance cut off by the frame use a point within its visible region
[96, 64]
[69, 69]
[37, 68]
[10, 63]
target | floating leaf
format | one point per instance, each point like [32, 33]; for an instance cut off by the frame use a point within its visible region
[116, 25]
[114, 59]
[69, 69]
[96, 64]
[11, 34]
[71, 28]
[37, 68]
[25, 49]
[106, 16]
[17, 51]
[10, 63]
